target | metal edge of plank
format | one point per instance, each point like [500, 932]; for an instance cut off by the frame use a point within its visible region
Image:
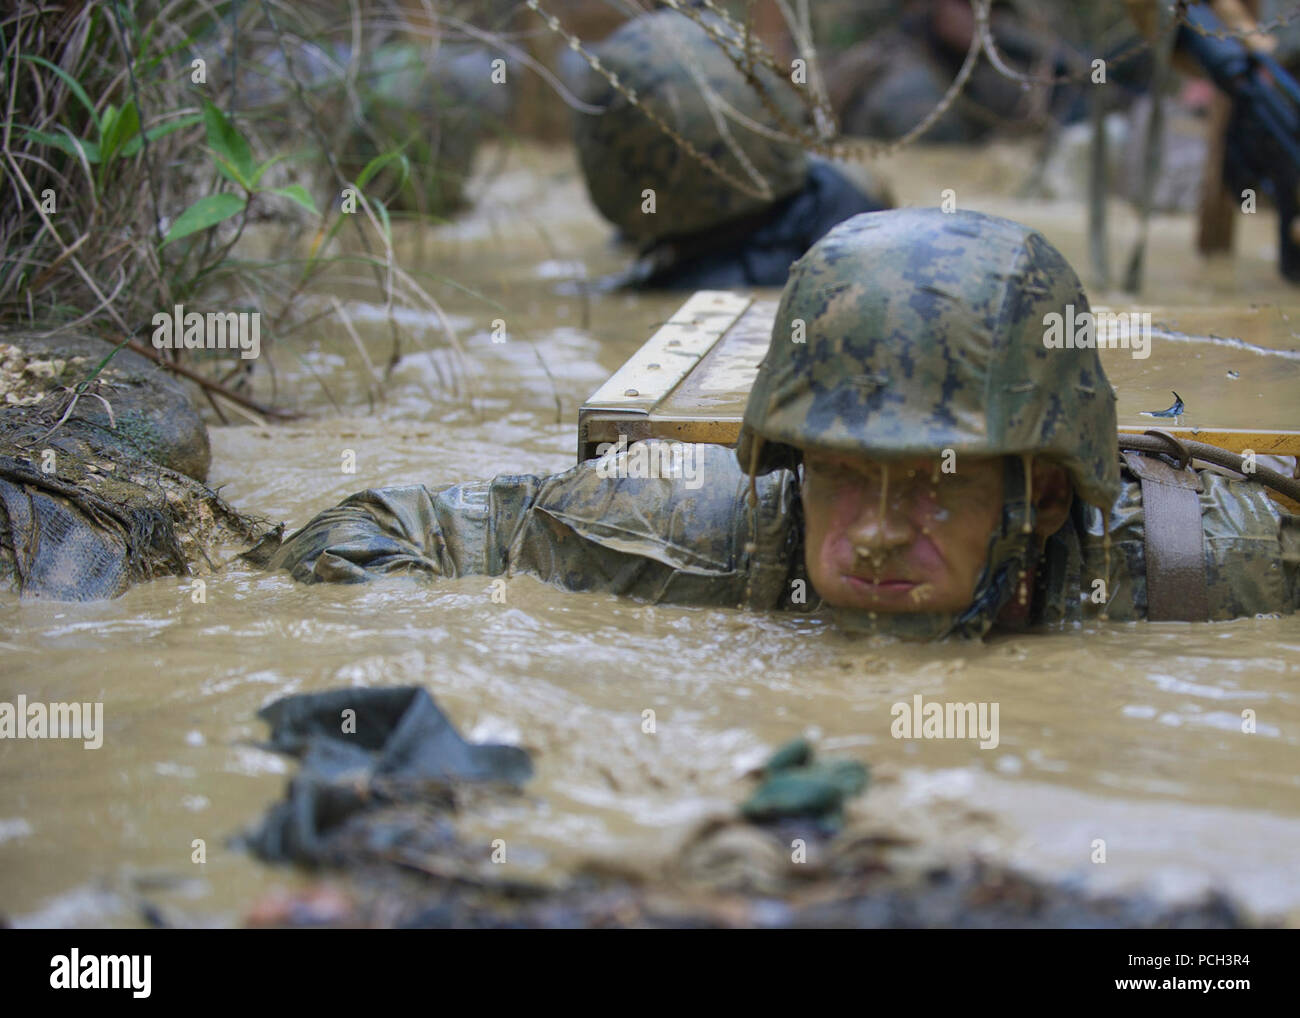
[665, 359]
[668, 356]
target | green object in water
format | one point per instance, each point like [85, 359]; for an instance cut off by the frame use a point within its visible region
[794, 753]
[794, 785]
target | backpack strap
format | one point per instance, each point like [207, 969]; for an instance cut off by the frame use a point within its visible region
[1175, 543]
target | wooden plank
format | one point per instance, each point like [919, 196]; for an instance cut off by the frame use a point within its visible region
[1227, 362]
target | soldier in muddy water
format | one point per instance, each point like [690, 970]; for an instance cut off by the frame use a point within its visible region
[684, 156]
[917, 457]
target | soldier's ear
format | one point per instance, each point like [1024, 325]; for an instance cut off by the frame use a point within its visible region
[1052, 494]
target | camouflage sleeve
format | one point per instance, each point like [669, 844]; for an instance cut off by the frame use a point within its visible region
[601, 526]
[1289, 536]
[1252, 551]
[463, 529]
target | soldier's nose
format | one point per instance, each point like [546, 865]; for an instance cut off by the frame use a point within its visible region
[880, 525]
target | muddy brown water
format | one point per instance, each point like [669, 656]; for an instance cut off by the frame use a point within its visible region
[1131, 734]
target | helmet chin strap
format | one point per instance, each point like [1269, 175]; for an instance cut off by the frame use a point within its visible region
[1010, 553]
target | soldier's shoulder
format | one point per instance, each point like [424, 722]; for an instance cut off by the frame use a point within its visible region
[1251, 546]
[673, 501]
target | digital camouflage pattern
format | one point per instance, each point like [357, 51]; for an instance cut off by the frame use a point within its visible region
[1252, 550]
[923, 331]
[672, 65]
[918, 332]
[650, 538]
[659, 541]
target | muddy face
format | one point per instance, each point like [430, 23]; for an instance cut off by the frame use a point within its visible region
[906, 536]
[901, 536]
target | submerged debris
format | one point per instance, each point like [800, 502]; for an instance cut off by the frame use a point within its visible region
[363, 750]
[794, 786]
[858, 885]
[1174, 411]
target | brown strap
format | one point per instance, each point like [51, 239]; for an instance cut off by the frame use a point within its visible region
[1175, 545]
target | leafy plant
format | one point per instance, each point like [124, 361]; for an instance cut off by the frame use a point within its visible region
[234, 160]
[126, 183]
[117, 130]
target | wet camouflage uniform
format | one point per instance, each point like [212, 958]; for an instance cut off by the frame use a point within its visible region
[937, 346]
[706, 232]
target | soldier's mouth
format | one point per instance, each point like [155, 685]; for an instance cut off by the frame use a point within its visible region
[885, 586]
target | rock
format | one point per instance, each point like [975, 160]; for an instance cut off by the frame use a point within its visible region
[90, 505]
[435, 105]
[151, 409]
[795, 785]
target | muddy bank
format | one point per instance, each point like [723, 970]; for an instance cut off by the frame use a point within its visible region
[101, 472]
[378, 800]
[861, 889]
[152, 414]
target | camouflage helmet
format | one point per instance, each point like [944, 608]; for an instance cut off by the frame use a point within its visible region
[664, 58]
[908, 332]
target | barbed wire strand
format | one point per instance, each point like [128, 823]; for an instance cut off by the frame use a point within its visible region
[575, 44]
[744, 50]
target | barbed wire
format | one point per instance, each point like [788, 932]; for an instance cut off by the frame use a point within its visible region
[753, 47]
[714, 102]
[745, 50]
[630, 94]
[823, 114]
[1139, 46]
[801, 33]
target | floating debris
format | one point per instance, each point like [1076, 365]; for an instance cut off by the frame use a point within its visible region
[397, 773]
[796, 786]
[1174, 411]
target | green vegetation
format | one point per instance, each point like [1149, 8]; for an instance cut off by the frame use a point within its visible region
[139, 139]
